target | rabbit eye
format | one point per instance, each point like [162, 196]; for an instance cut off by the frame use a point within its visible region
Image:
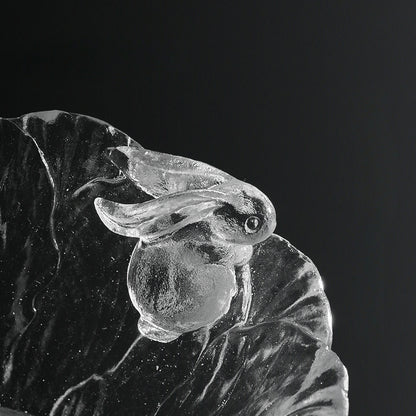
[252, 224]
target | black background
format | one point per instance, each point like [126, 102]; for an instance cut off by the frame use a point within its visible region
[313, 102]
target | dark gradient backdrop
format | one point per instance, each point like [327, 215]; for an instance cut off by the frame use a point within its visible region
[313, 102]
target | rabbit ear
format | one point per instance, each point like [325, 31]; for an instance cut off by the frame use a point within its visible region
[159, 217]
[161, 174]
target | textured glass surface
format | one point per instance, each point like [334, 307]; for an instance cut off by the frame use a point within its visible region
[218, 315]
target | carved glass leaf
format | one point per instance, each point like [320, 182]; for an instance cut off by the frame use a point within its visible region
[70, 343]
